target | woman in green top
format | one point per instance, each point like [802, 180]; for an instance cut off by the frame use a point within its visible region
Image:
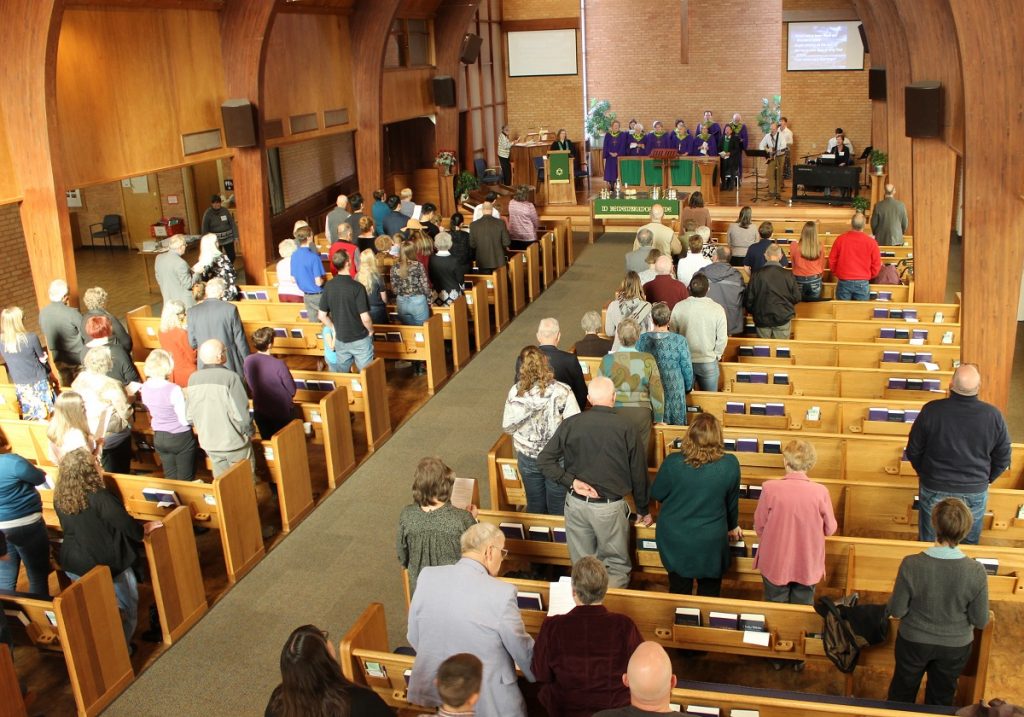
[430, 528]
[699, 490]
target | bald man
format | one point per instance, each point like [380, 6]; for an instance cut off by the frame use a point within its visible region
[599, 457]
[889, 219]
[219, 410]
[564, 365]
[958, 446]
[650, 681]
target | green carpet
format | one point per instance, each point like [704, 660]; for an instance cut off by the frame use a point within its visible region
[342, 557]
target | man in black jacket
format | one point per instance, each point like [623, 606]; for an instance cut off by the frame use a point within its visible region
[726, 287]
[771, 297]
[489, 238]
[958, 446]
[564, 365]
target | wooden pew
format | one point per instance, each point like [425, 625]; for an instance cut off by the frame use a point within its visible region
[897, 292]
[517, 284]
[495, 287]
[174, 570]
[27, 439]
[9, 405]
[366, 393]
[415, 343]
[10, 688]
[867, 330]
[288, 462]
[530, 257]
[548, 260]
[826, 381]
[478, 313]
[84, 624]
[563, 243]
[865, 310]
[831, 353]
[455, 329]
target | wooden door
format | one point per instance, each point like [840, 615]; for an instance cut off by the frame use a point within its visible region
[206, 178]
[141, 197]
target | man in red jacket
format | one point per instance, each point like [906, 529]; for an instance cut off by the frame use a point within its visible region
[854, 260]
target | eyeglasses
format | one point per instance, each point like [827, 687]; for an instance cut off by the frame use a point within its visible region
[504, 552]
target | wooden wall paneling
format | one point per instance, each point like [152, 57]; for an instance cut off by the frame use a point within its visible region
[406, 93]
[368, 41]
[10, 190]
[879, 109]
[450, 24]
[197, 77]
[28, 95]
[243, 60]
[934, 196]
[990, 34]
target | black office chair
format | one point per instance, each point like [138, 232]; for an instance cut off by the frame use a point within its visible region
[583, 171]
[487, 175]
[108, 228]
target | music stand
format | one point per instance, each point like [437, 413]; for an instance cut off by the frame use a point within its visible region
[757, 177]
[664, 157]
[864, 156]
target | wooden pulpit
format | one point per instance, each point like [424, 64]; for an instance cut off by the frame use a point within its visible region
[559, 178]
[708, 185]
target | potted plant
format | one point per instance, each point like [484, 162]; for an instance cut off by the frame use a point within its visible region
[879, 160]
[771, 111]
[464, 184]
[860, 204]
[599, 121]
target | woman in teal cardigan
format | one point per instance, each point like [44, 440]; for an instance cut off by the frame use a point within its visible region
[699, 490]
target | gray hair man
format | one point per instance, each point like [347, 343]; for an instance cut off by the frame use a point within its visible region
[62, 327]
[214, 318]
[665, 240]
[218, 408]
[173, 274]
[958, 445]
[599, 457]
[564, 365]
[889, 219]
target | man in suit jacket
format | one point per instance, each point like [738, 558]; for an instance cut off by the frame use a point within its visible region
[173, 273]
[489, 237]
[62, 327]
[564, 365]
[636, 260]
[464, 608]
[216, 319]
[889, 219]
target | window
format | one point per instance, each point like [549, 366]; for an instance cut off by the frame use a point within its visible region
[410, 44]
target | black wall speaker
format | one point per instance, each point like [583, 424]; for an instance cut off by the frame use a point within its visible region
[876, 83]
[444, 91]
[239, 118]
[924, 109]
[863, 37]
[470, 48]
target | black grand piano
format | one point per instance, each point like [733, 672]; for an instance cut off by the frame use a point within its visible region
[816, 177]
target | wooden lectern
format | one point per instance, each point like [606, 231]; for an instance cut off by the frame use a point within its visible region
[708, 185]
[559, 189]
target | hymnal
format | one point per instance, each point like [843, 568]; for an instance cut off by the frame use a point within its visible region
[782, 352]
[775, 409]
[304, 315]
[296, 333]
[880, 313]
[746, 351]
[919, 334]
[915, 384]
[729, 444]
[407, 674]
[513, 530]
[923, 357]
[750, 622]
[895, 313]
[991, 565]
[738, 549]
[743, 376]
[701, 710]
[772, 447]
[529, 601]
[647, 544]
[878, 414]
[753, 549]
[887, 333]
[743, 490]
[902, 334]
[558, 534]
[762, 351]
[688, 616]
[380, 336]
[300, 384]
[540, 532]
[931, 384]
[910, 416]
[911, 314]
[677, 443]
[735, 407]
[375, 669]
[885, 296]
[897, 383]
[746, 445]
[280, 333]
[262, 296]
[395, 337]
[887, 254]
[896, 415]
[781, 378]
[947, 337]
[162, 498]
[744, 713]
[907, 357]
[754, 492]
[916, 505]
[724, 620]
[560, 599]
[758, 377]
[890, 356]
[758, 409]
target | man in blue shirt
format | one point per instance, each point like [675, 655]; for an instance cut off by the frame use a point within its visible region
[308, 271]
[755, 258]
[379, 210]
[394, 220]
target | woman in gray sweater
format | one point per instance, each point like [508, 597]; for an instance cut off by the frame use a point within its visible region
[940, 597]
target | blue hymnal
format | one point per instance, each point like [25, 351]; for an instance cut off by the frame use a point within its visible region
[738, 549]
[262, 296]
[782, 352]
[762, 351]
[729, 444]
[902, 334]
[743, 490]
[910, 313]
[775, 409]
[746, 350]
[919, 334]
[558, 534]
[300, 384]
[752, 623]
[758, 409]
[304, 315]
[880, 313]
[907, 357]
[923, 357]
[896, 313]
[895, 415]
[746, 445]
[735, 407]
[930, 384]
[772, 447]
[513, 530]
[878, 414]
[887, 333]
[529, 601]
[890, 356]
[885, 296]
[754, 492]
[897, 383]
[915, 384]
[296, 333]
[280, 333]
[781, 378]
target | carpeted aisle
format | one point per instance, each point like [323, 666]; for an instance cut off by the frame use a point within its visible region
[342, 557]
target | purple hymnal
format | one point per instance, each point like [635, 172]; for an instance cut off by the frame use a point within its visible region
[743, 376]
[746, 445]
[890, 356]
[735, 407]
[880, 313]
[910, 416]
[782, 352]
[775, 409]
[931, 384]
[919, 334]
[897, 383]
[762, 351]
[688, 616]
[878, 414]
[558, 534]
[724, 620]
[758, 377]
[300, 384]
[280, 333]
[529, 601]
[896, 415]
[758, 409]
[304, 315]
[513, 530]
[885, 296]
[910, 313]
[887, 333]
[781, 378]
[746, 351]
[923, 356]
[754, 492]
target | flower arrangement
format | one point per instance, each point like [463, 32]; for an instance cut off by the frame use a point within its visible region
[445, 158]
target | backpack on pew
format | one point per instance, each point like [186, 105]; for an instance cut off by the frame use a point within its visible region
[849, 628]
[994, 708]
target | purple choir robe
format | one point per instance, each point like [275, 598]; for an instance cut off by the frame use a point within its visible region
[715, 130]
[698, 141]
[613, 148]
[652, 141]
[640, 148]
[681, 144]
[741, 133]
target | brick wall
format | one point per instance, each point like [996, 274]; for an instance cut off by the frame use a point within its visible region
[818, 102]
[307, 167]
[548, 102]
[171, 183]
[16, 287]
[633, 60]
[98, 201]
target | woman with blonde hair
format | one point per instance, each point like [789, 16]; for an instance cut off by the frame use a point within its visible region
[429, 529]
[629, 303]
[424, 248]
[699, 490]
[367, 232]
[742, 235]
[27, 366]
[369, 276]
[172, 435]
[535, 406]
[288, 290]
[174, 340]
[69, 427]
[215, 263]
[107, 408]
[808, 261]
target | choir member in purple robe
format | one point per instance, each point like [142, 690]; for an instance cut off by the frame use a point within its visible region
[681, 139]
[638, 141]
[704, 143]
[615, 143]
[739, 129]
[714, 129]
[658, 139]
